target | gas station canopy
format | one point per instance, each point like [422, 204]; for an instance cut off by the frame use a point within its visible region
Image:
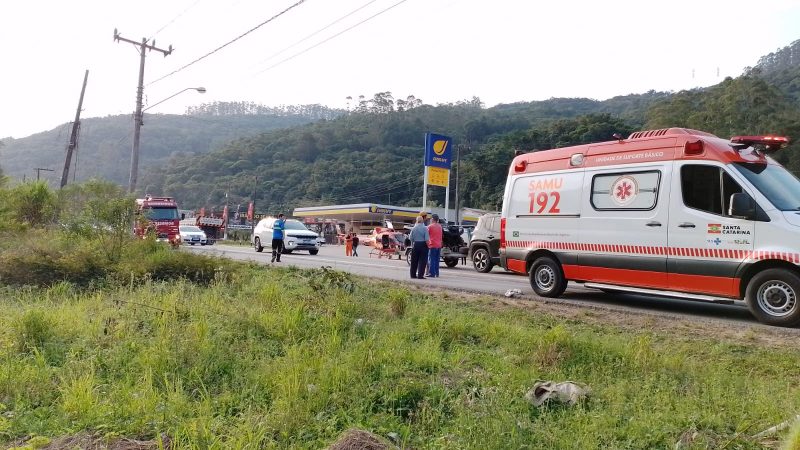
[373, 212]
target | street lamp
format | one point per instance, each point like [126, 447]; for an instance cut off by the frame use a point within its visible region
[137, 127]
[201, 90]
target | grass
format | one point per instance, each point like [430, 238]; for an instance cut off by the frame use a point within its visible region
[289, 358]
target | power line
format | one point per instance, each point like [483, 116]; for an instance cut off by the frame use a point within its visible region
[334, 36]
[174, 19]
[119, 142]
[380, 188]
[319, 31]
[298, 3]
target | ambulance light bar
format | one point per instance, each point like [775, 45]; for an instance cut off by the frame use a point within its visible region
[765, 144]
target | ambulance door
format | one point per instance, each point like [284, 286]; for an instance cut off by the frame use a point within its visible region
[706, 244]
[624, 225]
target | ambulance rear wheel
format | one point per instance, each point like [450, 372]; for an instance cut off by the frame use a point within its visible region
[772, 297]
[547, 278]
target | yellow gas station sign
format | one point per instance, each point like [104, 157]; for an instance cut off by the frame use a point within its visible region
[438, 176]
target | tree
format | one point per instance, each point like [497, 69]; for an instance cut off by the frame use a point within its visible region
[746, 105]
[31, 204]
[101, 210]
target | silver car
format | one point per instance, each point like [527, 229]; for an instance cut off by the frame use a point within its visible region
[193, 235]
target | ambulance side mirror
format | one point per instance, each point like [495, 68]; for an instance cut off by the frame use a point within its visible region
[742, 206]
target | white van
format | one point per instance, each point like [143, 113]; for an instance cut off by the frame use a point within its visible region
[672, 212]
[296, 236]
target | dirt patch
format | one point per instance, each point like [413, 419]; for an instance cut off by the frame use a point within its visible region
[354, 439]
[627, 318]
[86, 441]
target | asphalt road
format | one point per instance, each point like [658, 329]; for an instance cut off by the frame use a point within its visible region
[497, 282]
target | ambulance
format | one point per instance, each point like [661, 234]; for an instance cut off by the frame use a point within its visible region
[672, 212]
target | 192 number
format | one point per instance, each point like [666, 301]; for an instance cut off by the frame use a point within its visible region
[541, 200]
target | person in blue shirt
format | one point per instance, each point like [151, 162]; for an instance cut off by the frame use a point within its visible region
[420, 238]
[278, 229]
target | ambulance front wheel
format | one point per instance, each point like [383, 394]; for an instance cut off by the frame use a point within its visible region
[772, 297]
[547, 278]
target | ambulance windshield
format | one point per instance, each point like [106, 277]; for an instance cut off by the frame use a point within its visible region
[780, 187]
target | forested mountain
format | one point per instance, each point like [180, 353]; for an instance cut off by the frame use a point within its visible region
[781, 69]
[105, 143]
[375, 152]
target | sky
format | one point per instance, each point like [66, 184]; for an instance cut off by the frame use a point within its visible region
[322, 51]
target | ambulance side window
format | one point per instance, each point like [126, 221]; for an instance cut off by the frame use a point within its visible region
[707, 188]
[621, 191]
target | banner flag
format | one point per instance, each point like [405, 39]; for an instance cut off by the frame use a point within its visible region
[438, 150]
[250, 211]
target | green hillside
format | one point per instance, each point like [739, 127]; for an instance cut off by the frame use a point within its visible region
[781, 69]
[105, 143]
[375, 152]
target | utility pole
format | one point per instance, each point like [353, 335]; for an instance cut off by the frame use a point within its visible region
[137, 118]
[73, 137]
[255, 191]
[39, 169]
[458, 169]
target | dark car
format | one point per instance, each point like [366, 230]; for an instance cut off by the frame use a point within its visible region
[484, 247]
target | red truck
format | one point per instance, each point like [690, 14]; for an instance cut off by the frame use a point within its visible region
[159, 215]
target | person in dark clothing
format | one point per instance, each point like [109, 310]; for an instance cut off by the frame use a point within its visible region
[419, 252]
[355, 244]
[277, 237]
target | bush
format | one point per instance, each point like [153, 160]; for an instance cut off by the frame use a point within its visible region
[44, 258]
[27, 205]
[156, 261]
[92, 242]
[99, 210]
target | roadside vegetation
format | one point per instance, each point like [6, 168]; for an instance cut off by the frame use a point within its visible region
[82, 235]
[106, 336]
[293, 358]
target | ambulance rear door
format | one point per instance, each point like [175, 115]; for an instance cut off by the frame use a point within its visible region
[542, 212]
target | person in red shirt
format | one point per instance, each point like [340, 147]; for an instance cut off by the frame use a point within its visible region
[434, 246]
